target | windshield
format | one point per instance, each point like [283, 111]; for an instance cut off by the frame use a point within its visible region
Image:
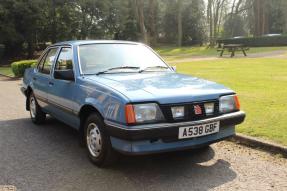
[97, 58]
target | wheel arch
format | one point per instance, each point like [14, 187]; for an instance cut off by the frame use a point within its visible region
[85, 111]
[28, 93]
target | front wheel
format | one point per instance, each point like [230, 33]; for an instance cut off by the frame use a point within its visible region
[37, 115]
[98, 142]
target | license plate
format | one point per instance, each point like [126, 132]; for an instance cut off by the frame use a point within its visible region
[198, 130]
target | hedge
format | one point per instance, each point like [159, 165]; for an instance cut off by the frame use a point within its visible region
[19, 67]
[257, 41]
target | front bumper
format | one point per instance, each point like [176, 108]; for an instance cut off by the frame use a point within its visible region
[154, 138]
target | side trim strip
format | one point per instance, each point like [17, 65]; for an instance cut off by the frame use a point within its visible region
[41, 98]
[56, 105]
[61, 107]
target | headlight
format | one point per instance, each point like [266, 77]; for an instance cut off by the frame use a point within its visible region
[228, 104]
[142, 113]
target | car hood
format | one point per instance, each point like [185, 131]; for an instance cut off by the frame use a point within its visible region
[162, 87]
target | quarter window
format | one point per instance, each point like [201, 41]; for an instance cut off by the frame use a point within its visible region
[64, 61]
[48, 61]
[41, 63]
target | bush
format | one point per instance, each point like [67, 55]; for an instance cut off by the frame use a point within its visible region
[257, 41]
[19, 67]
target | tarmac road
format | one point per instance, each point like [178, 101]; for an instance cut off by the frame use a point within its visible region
[48, 157]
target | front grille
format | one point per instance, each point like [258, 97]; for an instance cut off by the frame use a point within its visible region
[189, 114]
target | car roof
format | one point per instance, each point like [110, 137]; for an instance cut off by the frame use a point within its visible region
[82, 42]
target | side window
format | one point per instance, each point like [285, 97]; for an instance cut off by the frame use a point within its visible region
[48, 61]
[41, 63]
[64, 61]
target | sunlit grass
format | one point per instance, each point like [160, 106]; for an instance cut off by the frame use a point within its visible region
[204, 51]
[261, 84]
[192, 51]
[6, 71]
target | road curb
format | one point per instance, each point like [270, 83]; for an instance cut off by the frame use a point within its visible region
[260, 144]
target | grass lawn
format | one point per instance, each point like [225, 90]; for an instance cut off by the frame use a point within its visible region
[203, 51]
[6, 71]
[261, 84]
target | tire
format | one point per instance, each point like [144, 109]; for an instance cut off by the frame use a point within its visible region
[97, 142]
[36, 113]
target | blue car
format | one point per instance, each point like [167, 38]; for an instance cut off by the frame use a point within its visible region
[123, 98]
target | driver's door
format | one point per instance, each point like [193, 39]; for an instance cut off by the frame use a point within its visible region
[61, 97]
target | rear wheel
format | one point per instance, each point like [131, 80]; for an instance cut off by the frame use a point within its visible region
[98, 142]
[37, 115]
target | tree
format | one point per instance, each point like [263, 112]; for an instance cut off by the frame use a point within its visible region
[261, 21]
[214, 10]
[179, 22]
[193, 22]
[235, 24]
[19, 21]
[190, 28]
[139, 6]
[268, 16]
[152, 21]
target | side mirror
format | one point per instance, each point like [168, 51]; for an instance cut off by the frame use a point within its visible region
[64, 75]
[174, 68]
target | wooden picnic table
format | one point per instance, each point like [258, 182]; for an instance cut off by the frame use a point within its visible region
[233, 48]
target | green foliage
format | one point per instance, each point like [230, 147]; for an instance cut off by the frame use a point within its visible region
[20, 24]
[257, 41]
[6, 71]
[193, 19]
[234, 26]
[26, 25]
[19, 67]
[2, 49]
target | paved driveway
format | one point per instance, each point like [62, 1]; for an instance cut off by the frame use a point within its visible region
[48, 157]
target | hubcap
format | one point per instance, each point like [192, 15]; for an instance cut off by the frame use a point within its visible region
[33, 107]
[94, 140]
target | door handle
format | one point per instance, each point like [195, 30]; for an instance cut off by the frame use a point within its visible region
[51, 83]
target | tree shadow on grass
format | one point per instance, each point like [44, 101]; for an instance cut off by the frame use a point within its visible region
[48, 157]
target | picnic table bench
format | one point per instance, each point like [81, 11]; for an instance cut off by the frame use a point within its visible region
[233, 48]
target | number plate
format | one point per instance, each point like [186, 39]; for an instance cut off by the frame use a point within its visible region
[198, 130]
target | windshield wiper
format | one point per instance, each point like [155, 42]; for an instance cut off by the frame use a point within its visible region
[118, 68]
[153, 67]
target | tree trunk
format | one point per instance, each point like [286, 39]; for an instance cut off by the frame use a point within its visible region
[152, 21]
[54, 24]
[261, 21]
[265, 12]
[140, 18]
[285, 17]
[232, 15]
[220, 19]
[256, 9]
[179, 23]
[210, 21]
[30, 49]
[218, 5]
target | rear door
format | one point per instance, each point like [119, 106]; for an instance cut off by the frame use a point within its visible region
[42, 77]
